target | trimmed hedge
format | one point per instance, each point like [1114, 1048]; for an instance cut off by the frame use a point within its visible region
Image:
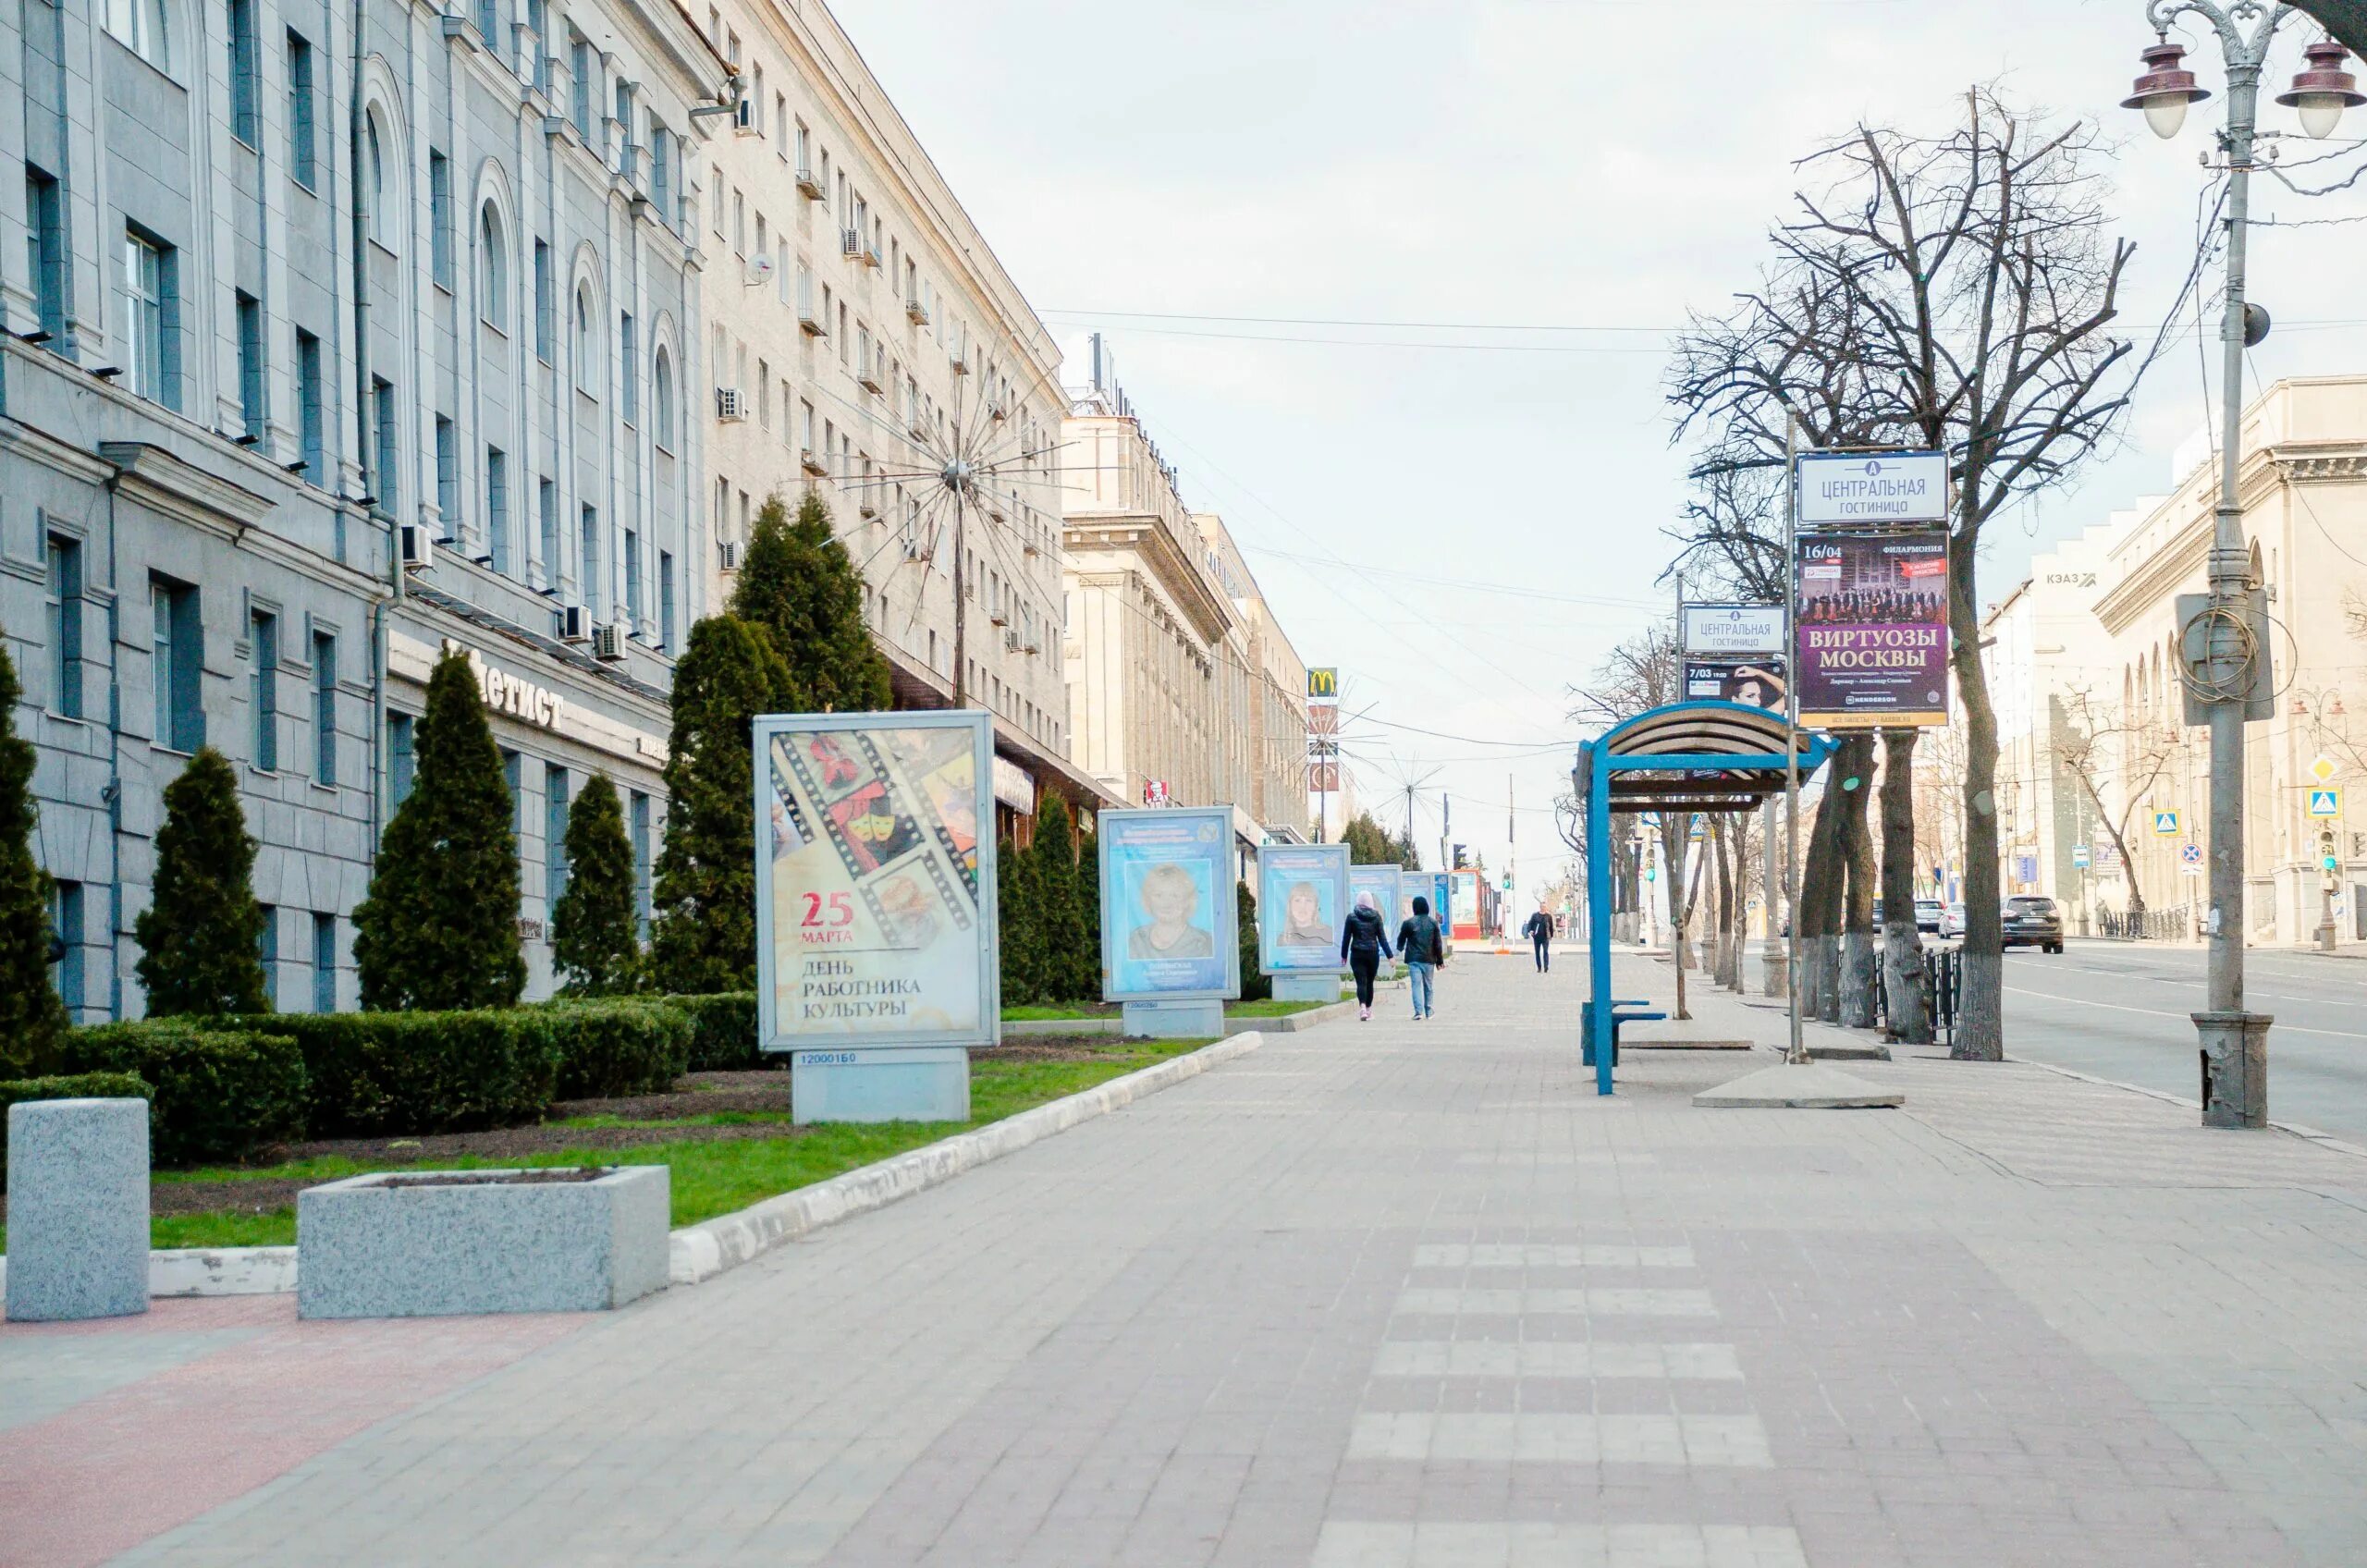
[74, 1087]
[372, 1073]
[723, 1031]
[606, 1049]
[221, 1093]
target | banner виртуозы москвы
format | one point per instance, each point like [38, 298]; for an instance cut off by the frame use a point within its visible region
[1872, 630]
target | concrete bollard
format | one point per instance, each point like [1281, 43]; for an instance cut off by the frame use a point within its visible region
[78, 1209]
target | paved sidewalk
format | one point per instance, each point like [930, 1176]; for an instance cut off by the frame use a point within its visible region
[1409, 1294]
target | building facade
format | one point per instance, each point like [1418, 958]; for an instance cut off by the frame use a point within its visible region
[2100, 740]
[340, 335]
[869, 349]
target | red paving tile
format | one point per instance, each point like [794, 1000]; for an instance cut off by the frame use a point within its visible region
[130, 1463]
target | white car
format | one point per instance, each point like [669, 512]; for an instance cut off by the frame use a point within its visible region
[1952, 920]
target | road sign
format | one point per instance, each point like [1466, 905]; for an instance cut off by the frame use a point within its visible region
[1872, 487]
[2079, 856]
[2165, 825]
[2324, 769]
[2191, 859]
[2325, 802]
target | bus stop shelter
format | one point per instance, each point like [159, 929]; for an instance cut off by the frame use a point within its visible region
[1705, 757]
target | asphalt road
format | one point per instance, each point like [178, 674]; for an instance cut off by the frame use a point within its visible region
[2120, 1010]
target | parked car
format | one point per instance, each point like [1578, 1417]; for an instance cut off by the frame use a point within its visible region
[1926, 915]
[1952, 920]
[2033, 921]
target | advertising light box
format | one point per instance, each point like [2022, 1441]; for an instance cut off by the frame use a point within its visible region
[1302, 902]
[1381, 882]
[1171, 921]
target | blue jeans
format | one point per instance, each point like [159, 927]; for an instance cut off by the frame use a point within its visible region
[1424, 978]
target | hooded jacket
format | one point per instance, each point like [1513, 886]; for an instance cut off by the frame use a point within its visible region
[1363, 933]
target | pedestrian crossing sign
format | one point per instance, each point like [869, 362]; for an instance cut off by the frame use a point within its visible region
[2325, 802]
[2165, 825]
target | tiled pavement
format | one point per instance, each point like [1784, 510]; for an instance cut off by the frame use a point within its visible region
[1384, 1294]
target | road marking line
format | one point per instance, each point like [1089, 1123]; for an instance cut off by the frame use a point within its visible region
[1553, 1437]
[1516, 1302]
[2156, 1012]
[1545, 1254]
[1556, 1358]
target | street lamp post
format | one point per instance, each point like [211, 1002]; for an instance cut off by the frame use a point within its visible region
[2219, 643]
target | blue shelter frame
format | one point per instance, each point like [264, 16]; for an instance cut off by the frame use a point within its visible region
[1708, 756]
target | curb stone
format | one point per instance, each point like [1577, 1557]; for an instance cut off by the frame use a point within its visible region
[703, 1251]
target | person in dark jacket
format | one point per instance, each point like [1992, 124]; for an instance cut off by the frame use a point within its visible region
[1363, 944]
[1423, 945]
[1540, 931]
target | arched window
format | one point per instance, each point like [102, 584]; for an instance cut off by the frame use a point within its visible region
[493, 270]
[587, 343]
[661, 402]
[373, 181]
[143, 27]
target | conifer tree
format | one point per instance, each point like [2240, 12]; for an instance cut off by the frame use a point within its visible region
[1018, 925]
[704, 936]
[596, 939]
[201, 937]
[32, 1018]
[1254, 986]
[1088, 906]
[797, 581]
[439, 929]
[1061, 902]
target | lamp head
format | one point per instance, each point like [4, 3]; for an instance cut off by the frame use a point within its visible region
[2166, 89]
[2323, 89]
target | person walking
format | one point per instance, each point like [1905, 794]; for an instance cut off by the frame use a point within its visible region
[1423, 945]
[1540, 931]
[1363, 944]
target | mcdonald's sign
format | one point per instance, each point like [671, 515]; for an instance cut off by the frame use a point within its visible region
[1322, 684]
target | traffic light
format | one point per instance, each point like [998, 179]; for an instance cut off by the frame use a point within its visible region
[2326, 858]
[1462, 860]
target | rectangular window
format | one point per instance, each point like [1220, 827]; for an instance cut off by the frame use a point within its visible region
[325, 963]
[148, 323]
[554, 834]
[666, 599]
[497, 509]
[587, 560]
[46, 244]
[250, 382]
[400, 758]
[66, 626]
[245, 117]
[547, 514]
[267, 949]
[640, 825]
[661, 172]
[544, 326]
[632, 577]
[581, 79]
[538, 20]
[439, 216]
[66, 915]
[324, 707]
[264, 629]
[629, 348]
[447, 474]
[804, 150]
[177, 670]
[382, 414]
[514, 779]
[314, 416]
[299, 111]
[764, 394]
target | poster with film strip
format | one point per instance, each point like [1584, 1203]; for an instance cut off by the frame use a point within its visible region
[876, 898]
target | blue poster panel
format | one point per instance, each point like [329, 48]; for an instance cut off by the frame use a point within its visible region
[1381, 882]
[875, 890]
[1411, 884]
[1302, 902]
[1170, 920]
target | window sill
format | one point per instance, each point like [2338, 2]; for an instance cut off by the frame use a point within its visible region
[493, 327]
[384, 249]
[74, 718]
[328, 789]
[443, 286]
[170, 749]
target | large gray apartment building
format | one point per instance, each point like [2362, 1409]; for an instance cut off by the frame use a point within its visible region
[339, 331]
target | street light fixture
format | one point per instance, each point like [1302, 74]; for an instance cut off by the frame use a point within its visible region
[2323, 90]
[2166, 89]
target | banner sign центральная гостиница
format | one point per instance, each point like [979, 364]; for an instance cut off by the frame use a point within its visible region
[1170, 917]
[1853, 489]
[1302, 900]
[1718, 632]
[876, 916]
[1873, 631]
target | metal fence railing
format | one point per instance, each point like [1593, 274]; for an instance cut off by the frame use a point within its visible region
[2174, 924]
[1942, 994]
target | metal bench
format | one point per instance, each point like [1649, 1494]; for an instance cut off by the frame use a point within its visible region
[1586, 1019]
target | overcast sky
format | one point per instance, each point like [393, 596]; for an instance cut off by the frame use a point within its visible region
[1463, 521]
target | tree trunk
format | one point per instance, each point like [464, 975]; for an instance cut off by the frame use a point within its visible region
[1775, 963]
[1739, 920]
[1818, 916]
[1728, 964]
[1902, 942]
[1858, 978]
[1676, 828]
[1981, 1016]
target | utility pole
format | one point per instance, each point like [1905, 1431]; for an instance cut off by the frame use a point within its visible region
[1796, 1053]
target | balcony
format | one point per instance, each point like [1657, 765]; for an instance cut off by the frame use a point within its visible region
[812, 461]
[809, 184]
[810, 324]
[916, 312]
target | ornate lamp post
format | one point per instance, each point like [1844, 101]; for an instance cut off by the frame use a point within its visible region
[2220, 646]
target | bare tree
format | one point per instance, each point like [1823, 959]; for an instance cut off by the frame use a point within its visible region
[2102, 747]
[1953, 291]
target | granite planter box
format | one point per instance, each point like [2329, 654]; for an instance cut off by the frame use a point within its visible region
[425, 1243]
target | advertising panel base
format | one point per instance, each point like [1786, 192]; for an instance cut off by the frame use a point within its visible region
[1174, 1020]
[1307, 987]
[927, 1084]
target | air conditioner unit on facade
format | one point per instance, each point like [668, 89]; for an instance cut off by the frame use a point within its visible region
[608, 642]
[727, 552]
[744, 118]
[850, 242]
[574, 624]
[730, 405]
[418, 547]
[1011, 642]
